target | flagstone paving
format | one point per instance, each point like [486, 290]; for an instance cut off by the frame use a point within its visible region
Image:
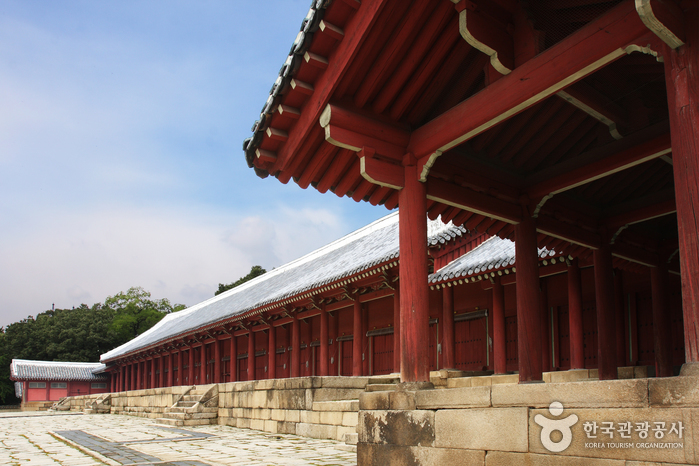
[76, 440]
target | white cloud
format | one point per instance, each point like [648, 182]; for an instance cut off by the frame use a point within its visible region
[180, 255]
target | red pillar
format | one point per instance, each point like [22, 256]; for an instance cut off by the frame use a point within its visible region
[396, 329]
[324, 358]
[190, 371]
[170, 370]
[366, 357]
[180, 362]
[295, 346]
[575, 322]
[357, 338]
[251, 355]
[202, 365]
[152, 373]
[661, 321]
[138, 375]
[545, 327]
[131, 377]
[620, 322]
[234, 359]
[682, 81]
[161, 366]
[272, 353]
[448, 345]
[604, 297]
[528, 307]
[499, 337]
[414, 291]
[217, 361]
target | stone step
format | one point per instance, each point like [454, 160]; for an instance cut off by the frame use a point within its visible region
[351, 438]
[200, 422]
[185, 416]
[383, 380]
[194, 398]
[380, 387]
[339, 405]
[186, 404]
[170, 422]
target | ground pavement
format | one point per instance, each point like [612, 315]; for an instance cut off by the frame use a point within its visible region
[75, 439]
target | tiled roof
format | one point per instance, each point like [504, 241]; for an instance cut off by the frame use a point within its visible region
[493, 254]
[22, 369]
[363, 249]
[303, 39]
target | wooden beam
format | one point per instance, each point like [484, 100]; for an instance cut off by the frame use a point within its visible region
[379, 172]
[600, 164]
[600, 108]
[642, 214]
[590, 48]
[355, 32]
[473, 201]
[487, 35]
[665, 19]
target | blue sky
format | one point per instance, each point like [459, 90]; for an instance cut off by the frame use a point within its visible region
[121, 163]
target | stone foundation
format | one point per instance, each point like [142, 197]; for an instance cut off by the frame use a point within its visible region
[496, 424]
[316, 407]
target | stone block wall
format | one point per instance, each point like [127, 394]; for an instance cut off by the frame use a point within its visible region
[316, 407]
[150, 403]
[497, 424]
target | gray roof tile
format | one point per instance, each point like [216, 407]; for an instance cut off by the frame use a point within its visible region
[361, 250]
[23, 369]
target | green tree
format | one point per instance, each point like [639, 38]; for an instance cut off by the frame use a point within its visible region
[255, 271]
[135, 312]
[7, 387]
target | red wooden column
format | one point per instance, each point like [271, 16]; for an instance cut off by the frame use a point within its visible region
[234, 359]
[682, 81]
[448, 341]
[251, 355]
[170, 370]
[396, 328]
[324, 358]
[217, 361]
[132, 381]
[620, 322]
[138, 375]
[528, 307]
[295, 346]
[112, 382]
[575, 321]
[272, 353]
[161, 365]
[202, 365]
[122, 382]
[414, 290]
[152, 372]
[180, 362]
[190, 373]
[545, 327]
[357, 338]
[606, 322]
[499, 337]
[661, 321]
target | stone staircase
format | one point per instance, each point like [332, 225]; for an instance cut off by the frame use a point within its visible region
[101, 405]
[382, 383]
[61, 405]
[196, 407]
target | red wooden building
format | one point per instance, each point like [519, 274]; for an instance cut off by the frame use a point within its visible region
[559, 137]
[42, 382]
[570, 125]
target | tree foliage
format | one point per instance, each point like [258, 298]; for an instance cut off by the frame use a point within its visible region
[255, 271]
[80, 334]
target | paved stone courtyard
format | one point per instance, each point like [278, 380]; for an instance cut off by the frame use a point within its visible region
[74, 439]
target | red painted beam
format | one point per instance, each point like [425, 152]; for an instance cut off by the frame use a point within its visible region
[642, 214]
[379, 172]
[355, 32]
[590, 48]
[473, 201]
[603, 165]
